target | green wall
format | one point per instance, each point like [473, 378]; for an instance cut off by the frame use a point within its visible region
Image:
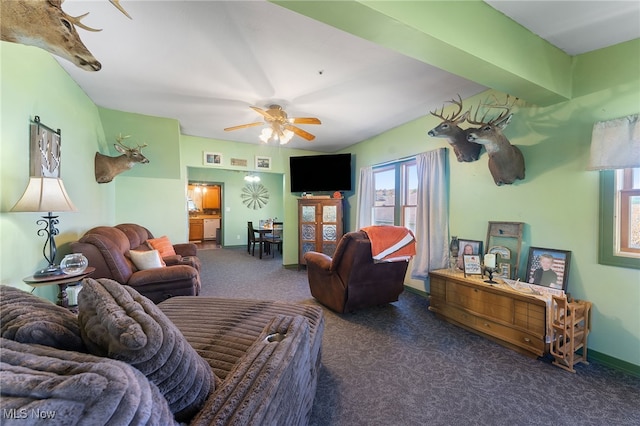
[33, 83]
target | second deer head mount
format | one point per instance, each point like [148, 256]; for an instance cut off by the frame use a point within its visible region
[506, 162]
[106, 168]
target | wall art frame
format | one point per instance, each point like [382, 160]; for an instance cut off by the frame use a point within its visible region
[45, 150]
[471, 264]
[548, 267]
[263, 163]
[212, 158]
[475, 247]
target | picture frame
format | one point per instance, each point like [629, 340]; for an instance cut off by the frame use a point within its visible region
[212, 158]
[474, 246]
[548, 267]
[472, 264]
[263, 163]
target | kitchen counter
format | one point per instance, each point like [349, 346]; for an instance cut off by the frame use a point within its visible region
[204, 216]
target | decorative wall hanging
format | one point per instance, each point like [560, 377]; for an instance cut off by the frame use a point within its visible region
[504, 239]
[263, 163]
[45, 150]
[239, 162]
[254, 196]
[212, 158]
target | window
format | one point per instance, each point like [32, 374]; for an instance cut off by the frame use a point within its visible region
[396, 187]
[620, 218]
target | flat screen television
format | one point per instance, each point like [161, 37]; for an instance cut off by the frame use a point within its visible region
[320, 173]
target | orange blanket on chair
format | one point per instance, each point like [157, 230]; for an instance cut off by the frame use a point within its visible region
[391, 243]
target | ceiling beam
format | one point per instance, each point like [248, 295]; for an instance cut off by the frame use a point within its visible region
[466, 38]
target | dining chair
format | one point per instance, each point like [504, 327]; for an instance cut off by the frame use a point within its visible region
[274, 238]
[253, 238]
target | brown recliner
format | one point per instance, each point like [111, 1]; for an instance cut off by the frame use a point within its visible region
[107, 249]
[351, 280]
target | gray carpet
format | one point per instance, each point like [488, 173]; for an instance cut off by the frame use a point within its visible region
[400, 365]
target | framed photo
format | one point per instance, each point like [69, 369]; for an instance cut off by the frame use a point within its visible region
[263, 163]
[471, 264]
[467, 247]
[548, 267]
[212, 158]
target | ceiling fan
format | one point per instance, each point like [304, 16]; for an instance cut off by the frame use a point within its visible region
[281, 127]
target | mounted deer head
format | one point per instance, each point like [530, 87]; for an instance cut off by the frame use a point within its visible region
[506, 162]
[465, 151]
[106, 168]
[42, 23]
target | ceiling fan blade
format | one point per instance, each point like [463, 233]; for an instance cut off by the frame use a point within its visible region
[298, 131]
[244, 126]
[305, 120]
[262, 112]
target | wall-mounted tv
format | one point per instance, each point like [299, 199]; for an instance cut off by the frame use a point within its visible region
[325, 173]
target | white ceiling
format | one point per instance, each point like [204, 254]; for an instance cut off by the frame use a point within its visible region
[205, 62]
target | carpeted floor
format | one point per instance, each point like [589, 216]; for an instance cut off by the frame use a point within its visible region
[400, 365]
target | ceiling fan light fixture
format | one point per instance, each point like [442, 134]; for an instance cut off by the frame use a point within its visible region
[266, 134]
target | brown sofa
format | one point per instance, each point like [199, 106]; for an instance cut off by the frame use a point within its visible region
[107, 249]
[351, 280]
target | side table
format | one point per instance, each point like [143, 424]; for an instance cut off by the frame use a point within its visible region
[62, 281]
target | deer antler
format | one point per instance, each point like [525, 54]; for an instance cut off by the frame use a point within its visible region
[506, 107]
[453, 116]
[120, 138]
[75, 20]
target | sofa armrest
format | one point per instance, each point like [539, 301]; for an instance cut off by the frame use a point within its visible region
[271, 384]
[318, 260]
[186, 249]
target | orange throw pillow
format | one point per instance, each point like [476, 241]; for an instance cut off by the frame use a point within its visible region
[163, 245]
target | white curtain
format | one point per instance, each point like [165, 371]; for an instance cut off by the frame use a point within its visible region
[432, 215]
[615, 144]
[366, 197]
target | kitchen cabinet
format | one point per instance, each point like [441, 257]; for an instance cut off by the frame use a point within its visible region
[211, 197]
[196, 229]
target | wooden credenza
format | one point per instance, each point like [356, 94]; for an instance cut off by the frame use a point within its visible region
[513, 319]
[320, 226]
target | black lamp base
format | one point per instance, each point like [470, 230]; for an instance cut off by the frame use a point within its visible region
[50, 271]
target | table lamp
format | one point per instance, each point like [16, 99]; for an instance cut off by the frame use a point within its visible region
[46, 194]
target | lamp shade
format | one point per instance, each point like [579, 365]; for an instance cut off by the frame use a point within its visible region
[44, 194]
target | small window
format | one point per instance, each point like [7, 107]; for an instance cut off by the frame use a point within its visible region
[619, 243]
[396, 191]
[628, 212]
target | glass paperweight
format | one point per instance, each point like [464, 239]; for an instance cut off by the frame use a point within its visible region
[74, 263]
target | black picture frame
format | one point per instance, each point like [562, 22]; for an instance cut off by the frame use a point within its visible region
[557, 264]
[476, 248]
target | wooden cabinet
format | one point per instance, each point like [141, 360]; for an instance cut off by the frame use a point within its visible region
[211, 198]
[513, 319]
[319, 226]
[196, 229]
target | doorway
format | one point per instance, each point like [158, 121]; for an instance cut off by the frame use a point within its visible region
[204, 201]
